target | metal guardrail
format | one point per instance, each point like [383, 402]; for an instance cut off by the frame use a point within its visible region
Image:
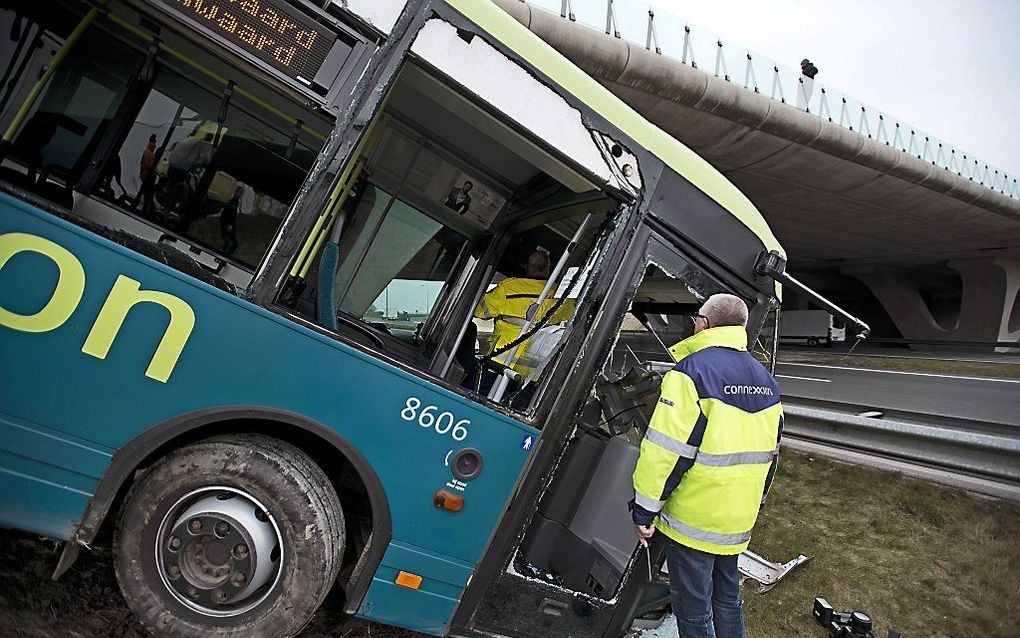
[941, 342]
[667, 34]
[993, 456]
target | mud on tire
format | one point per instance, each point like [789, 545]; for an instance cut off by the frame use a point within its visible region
[194, 539]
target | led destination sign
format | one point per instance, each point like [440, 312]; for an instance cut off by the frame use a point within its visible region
[270, 30]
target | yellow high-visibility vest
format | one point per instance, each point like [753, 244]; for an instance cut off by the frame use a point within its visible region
[720, 417]
[508, 304]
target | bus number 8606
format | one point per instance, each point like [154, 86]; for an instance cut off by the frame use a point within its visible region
[443, 423]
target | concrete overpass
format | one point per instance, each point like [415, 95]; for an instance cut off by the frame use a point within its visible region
[867, 210]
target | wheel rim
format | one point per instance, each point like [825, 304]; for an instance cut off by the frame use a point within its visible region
[219, 551]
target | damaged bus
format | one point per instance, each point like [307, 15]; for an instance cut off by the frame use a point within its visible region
[242, 246]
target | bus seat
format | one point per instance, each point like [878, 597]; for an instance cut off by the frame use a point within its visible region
[326, 296]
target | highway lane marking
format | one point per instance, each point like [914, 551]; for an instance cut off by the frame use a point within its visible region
[790, 376]
[914, 374]
[918, 357]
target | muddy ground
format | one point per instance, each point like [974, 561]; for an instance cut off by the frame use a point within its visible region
[86, 602]
[931, 561]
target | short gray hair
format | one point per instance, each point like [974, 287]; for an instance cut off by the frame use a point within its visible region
[725, 310]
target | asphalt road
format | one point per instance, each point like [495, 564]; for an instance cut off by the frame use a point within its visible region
[867, 349]
[899, 394]
[994, 401]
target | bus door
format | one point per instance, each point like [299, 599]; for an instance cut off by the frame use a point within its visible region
[441, 203]
[578, 568]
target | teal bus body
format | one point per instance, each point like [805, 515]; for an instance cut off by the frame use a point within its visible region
[237, 355]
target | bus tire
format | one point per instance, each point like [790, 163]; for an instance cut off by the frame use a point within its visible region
[813, 342]
[196, 554]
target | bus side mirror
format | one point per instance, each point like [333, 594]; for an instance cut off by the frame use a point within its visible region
[771, 264]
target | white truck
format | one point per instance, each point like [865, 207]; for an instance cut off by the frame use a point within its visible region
[813, 327]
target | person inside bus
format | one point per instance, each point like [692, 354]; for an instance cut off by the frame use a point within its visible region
[511, 304]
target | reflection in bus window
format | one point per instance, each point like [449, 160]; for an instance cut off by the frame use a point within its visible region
[156, 134]
[59, 134]
[393, 263]
[226, 184]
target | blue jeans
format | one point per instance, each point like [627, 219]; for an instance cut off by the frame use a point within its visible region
[704, 589]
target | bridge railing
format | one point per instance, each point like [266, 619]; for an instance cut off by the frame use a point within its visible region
[667, 34]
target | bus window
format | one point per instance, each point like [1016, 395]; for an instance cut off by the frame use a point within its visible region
[441, 191]
[525, 315]
[395, 262]
[766, 346]
[224, 184]
[158, 138]
[661, 314]
[49, 152]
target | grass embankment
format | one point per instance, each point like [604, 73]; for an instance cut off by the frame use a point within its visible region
[929, 561]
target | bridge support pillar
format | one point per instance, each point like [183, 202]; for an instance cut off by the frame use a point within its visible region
[989, 306]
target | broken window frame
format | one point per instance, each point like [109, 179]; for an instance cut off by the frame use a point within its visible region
[765, 346]
[673, 263]
[586, 305]
[437, 331]
[652, 242]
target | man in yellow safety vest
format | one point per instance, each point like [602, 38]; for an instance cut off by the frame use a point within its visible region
[706, 463]
[511, 304]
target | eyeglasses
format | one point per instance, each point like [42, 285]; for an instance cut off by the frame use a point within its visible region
[708, 324]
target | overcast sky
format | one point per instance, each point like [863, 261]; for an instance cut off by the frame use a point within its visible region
[949, 67]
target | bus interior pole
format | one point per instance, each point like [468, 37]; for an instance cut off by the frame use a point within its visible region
[500, 386]
[33, 95]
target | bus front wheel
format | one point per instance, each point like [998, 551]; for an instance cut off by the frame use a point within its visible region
[236, 535]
